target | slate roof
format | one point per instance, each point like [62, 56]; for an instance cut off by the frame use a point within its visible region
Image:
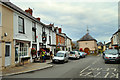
[14, 7]
[100, 44]
[116, 32]
[87, 37]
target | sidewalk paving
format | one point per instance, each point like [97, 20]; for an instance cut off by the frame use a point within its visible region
[26, 68]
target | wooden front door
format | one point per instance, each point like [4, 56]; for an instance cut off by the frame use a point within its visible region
[87, 50]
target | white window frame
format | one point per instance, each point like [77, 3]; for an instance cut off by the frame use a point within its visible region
[23, 48]
[21, 25]
[34, 24]
[33, 36]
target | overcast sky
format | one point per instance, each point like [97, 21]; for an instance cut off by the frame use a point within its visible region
[74, 16]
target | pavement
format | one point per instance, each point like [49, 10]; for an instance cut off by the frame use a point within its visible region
[31, 67]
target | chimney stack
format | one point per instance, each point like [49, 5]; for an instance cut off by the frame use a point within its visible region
[38, 18]
[30, 11]
[60, 30]
[51, 24]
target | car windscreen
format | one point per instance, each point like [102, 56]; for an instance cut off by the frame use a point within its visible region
[59, 55]
[72, 52]
[111, 52]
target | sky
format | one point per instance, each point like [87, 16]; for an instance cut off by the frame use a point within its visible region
[73, 16]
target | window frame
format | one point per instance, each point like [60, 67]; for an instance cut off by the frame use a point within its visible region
[34, 36]
[23, 32]
[33, 25]
[23, 49]
[49, 39]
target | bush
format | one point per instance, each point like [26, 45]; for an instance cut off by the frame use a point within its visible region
[33, 51]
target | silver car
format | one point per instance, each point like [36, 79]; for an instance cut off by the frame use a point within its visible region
[74, 55]
[111, 55]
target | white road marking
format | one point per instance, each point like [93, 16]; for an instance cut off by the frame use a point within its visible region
[117, 75]
[108, 69]
[97, 74]
[114, 69]
[99, 69]
[88, 73]
[82, 74]
[84, 69]
[114, 75]
[106, 75]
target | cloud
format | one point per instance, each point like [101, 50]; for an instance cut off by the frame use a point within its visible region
[101, 17]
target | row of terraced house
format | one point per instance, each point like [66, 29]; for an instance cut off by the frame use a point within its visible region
[20, 31]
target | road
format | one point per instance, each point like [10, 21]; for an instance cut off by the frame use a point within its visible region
[89, 67]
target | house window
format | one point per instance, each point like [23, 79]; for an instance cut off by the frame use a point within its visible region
[33, 24]
[33, 36]
[23, 50]
[20, 25]
[49, 39]
[43, 29]
[7, 50]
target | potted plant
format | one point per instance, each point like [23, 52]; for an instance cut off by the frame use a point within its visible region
[33, 52]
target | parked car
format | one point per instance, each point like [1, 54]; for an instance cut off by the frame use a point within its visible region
[111, 55]
[61, 56]
[82, 54]
[74, 55]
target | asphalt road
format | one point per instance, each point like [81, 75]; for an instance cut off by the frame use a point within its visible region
[89, 67]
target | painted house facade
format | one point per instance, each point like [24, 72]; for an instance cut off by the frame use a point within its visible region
[21, 33]
[69, 44]
[63, 41]
[60, 39]
[88, 44]
[115, 40]
[6, 36]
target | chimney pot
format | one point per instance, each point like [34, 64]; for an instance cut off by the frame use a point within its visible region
[59, 30]
[30, 11]
[38, 18]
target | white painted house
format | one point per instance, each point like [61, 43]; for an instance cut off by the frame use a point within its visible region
[115, 40]
[29, 32]
[69, 44]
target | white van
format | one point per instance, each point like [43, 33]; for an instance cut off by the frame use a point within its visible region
[61, 56]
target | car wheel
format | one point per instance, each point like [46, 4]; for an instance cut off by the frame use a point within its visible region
[67, 61]
[53, 61]
[63, 61]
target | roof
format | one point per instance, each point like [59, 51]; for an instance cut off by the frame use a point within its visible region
[60, 35]
[100, 44]
[108, 43]
[14, 7]
[116, 32]
[87, 37]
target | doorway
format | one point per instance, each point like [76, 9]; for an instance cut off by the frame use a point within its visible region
[7, 54]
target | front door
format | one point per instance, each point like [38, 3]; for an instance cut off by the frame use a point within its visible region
[7, 54]
[86, 50]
